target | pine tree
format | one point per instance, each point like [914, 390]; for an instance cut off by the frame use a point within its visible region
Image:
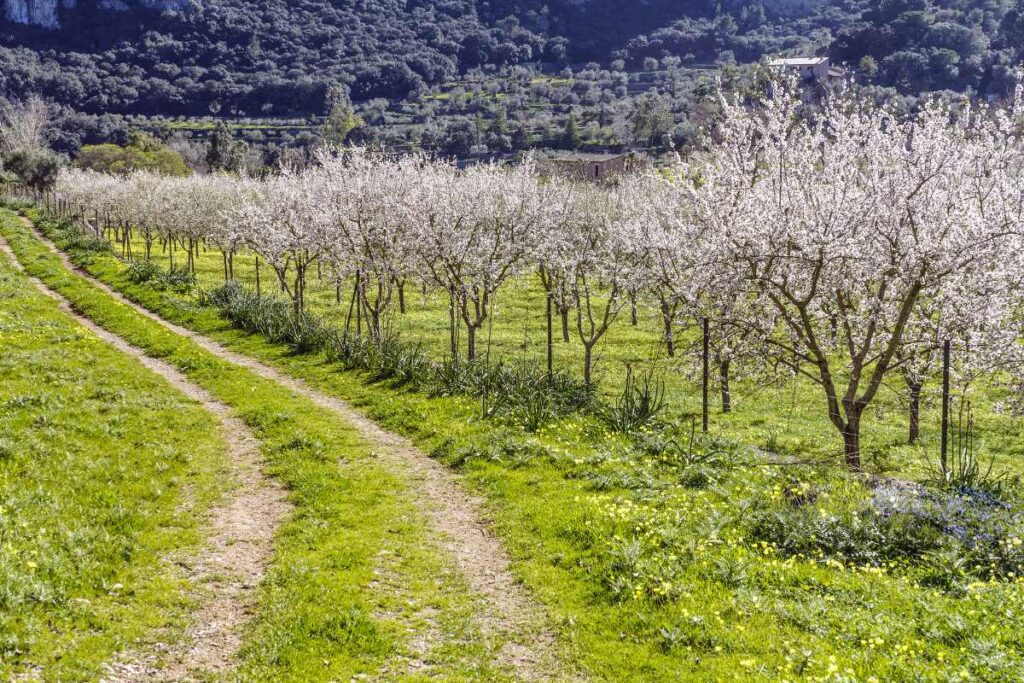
[572, 138]
[341, 118]
[225, 153]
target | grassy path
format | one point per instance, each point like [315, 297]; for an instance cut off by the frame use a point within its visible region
[107, 475]
[226, 572]
[483, 625]
[454, 515]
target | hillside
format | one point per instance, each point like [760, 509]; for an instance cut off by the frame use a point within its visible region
[280, 57]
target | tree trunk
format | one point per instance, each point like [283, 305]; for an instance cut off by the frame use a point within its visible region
[351, 307]
[564, 312]
[401, 296]
[588, 363]
[851, 444]
[550, 338]
[300, 287]
[359, 306]
[915, 411]
[666, 318]
[471, 343]
[632, 309]
[706, 377]
[454, 340]
[723, 377]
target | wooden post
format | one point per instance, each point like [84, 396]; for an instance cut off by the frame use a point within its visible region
[707, 376]
[944, 442]
[551, 345]
[359, 305]
[454, 341]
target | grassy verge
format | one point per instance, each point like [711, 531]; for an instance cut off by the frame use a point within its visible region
[670, 562]
[355, 570]
[105, 471]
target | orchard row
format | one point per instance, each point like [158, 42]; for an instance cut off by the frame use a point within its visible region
[839, 241]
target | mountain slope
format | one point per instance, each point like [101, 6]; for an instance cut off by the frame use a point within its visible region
[281, 57]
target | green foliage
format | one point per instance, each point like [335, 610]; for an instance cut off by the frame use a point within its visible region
[270, 317]
[650, 121]
[899, 526]
[180, 279]
[85, 246]
[341, 120]
[282, 64]
[36, 168]
[572, 138]
[868, 67]
[639, 404]
[141, 271]
[226, 153]
[521, 392]
[142, 153]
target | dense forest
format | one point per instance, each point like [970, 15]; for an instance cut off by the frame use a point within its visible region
[591, 64]
[279, 57]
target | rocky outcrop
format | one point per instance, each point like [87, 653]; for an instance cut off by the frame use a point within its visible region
[39, 12]
[46, 13]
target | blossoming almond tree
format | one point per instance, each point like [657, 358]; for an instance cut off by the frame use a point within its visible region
[558, 204]
[476, 234]
[842, 221]
[369, 223]
[279, 220]
[606, 251]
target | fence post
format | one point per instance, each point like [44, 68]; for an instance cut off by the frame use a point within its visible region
[944, 443]
[551, 346]
[707, 373]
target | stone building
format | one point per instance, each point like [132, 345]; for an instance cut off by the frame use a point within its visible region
[818, 70]
[595, 167]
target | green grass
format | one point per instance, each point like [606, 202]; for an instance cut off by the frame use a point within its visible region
[356, 572]
[104, 471]
[653, 567]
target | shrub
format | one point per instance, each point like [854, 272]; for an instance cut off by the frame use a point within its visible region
[526, 394]
[943, 535]
[81, 246]
[639, 404]
[180, 279]
[143, 271]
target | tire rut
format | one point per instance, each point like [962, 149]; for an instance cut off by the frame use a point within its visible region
[457, 517]
[238, 546]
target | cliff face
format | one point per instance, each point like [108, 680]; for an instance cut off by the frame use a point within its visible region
[38, 12]
[46, 13]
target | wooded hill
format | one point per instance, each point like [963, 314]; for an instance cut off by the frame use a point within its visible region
[280, 57]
